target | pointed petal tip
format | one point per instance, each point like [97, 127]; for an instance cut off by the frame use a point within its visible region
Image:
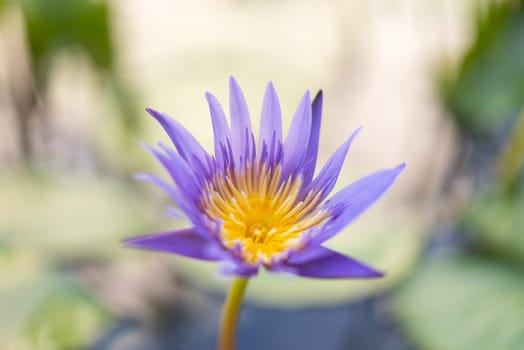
[271, 94]
[139, 143]
[211, 99]
[351, 138]
[270, 88]
[185, 242]
[374, 274]
[305, 103]
[152, 111]
[145, 177]
[140, 176]
[400, 167]
[127, 243]
[318, 96]
[354, 134]
[233, 82]
[307, 95]
[146, 147]
[321, 262]
[134, 242]
[156, 114]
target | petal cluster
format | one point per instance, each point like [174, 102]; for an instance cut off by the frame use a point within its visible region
[255, 202]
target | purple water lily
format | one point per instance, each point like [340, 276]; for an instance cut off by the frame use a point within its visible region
[258, 204]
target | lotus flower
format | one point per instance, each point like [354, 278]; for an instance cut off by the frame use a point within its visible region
[257, 203]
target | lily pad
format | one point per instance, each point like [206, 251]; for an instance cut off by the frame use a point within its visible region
[496, 220]
[463, 303]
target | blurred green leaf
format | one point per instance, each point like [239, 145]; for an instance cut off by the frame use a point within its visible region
[51, 311]
[463, 303]
[488, 89]
[66, 321]
[496, 219]
[52, 25]
[67, 215]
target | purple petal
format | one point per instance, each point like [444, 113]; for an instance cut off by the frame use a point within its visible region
[312, 150]
[186, 145]
[327, 178]
[271, 119]
[353, 200]
[240, 120]
[298, 137]
[182, 175]
[220, 127]
[187, 206]
[321, 262]
[167, 188]
[238, 269]
[174, 213]
[183, 242]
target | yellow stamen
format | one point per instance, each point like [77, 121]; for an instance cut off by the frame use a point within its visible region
[259, 211]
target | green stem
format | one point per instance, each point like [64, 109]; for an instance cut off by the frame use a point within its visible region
[228, 324]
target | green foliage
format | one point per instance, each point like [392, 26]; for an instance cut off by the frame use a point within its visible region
[488, 89]
[52, 25]
[495, 220]
[66, 320]
[51, 311]
[67, 216]
[463, 303]
[84, 25]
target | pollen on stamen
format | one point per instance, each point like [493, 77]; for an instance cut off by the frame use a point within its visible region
[260, 213]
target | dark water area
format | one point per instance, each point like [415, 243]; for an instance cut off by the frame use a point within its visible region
[363, 325]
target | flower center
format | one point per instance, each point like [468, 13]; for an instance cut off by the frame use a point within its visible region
[258, 211]
[257, 232]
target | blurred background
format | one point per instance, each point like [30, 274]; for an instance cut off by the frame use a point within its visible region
[438, 84]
